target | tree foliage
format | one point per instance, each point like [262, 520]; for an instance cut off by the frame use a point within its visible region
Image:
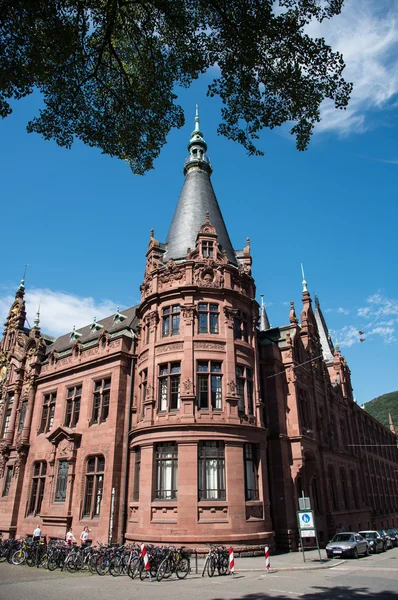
[382, 406]
[109, 69]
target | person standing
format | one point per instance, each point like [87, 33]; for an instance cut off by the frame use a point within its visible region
[37, 533]
[84, 537]
[70, 537]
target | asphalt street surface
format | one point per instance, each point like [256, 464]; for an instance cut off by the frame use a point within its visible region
[375, 577]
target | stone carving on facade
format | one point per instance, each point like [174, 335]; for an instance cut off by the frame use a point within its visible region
[188, 385]
[231, 385]
[240, 279]
[19, 461]
[230, 314]
[4, 456]
[172, 272]
[146, 286]
[209, 346]
[169, 347]
[66, 448]
[149, 391]
[188, 312]
[152, 319]
[209, 274]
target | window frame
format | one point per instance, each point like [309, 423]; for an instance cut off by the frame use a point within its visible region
[7, 481]
[137, 473]
[38, 484]
[61, 484]
[207, 248]
[251, 464]
[165, 452]
[171, 320]
[209, 376]
[22, 415]
[211, 451]
[48, 412]
[92, 500]
[10, 398]
[208, 318]
[167, 390]
[241, 327]
[74, 400]
[101, 400]
[244, 389]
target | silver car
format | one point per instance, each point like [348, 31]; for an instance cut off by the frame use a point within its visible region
[347, 544]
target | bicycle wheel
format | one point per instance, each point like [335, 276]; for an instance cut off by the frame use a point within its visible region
[52, 563]
[134, 567]
[102, 565]
[223, 564]
[115, 566]
[70, 563]
[211, 566]
[43, 561]
[183, 567]
[31, 558]
[164, 570]
[19, 557]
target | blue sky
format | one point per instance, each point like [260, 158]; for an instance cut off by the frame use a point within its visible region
[82, 220]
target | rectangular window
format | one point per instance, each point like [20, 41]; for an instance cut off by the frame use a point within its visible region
[48, 410]
[241, 329]
[169, 386]
[171, 320]
[208, 318]
[38, 484]
[7, 483]
[94, 486]
[207, 249]
[7, 413]
[62, 481]
[101, 399]
[137, 470]
[209, 378]
[166, 458]
[244, 389]
[144, 389]
[211, 471]
[22, 416]
[73, 402]
[251, 472]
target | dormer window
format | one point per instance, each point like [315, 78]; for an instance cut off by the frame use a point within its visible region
[207, 249]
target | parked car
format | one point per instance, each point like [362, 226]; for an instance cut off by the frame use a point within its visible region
[386, 538]
[347, 544]
[374, 539]
[392, 534]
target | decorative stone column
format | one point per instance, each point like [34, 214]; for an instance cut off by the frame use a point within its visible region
[10, 433]
[187, 395]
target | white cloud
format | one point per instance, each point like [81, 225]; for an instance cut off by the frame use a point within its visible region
[369, 324]
[366, 33]
[343, 311]
[59, 311]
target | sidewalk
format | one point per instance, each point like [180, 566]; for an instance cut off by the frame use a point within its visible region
[290, 561]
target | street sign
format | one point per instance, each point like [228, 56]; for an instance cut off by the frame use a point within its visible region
[308, 533]
[304, 503]
[306, 519]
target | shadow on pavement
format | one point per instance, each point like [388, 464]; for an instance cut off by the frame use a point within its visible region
[323, 593]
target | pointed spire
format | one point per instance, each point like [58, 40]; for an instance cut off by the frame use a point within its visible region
[392, 428]
[36, 322]
[304, 281]
[264, 323]
[197, 124]
[197, 197]
[323, 331]
[292, 315]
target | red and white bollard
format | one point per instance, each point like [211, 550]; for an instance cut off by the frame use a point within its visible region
[231, 561]
[144, 555]
[267, 558]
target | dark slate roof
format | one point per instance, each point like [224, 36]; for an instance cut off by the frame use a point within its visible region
[324, 336]
[197, 197]
[108, 324]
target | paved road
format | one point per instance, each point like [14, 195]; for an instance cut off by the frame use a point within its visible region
[373, 578]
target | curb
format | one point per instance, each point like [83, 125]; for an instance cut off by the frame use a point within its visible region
[303, 568]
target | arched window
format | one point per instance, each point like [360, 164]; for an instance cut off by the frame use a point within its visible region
[38, 484]
[315, 495]
[94, 486]
[332, 487]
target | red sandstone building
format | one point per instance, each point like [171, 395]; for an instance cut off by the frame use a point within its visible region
[188, 419]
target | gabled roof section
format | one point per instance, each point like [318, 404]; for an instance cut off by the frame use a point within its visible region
[88, 333]
[324, 335]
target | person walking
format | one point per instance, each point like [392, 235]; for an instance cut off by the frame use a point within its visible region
[70, 537]
[84, 536]
[37, 533]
